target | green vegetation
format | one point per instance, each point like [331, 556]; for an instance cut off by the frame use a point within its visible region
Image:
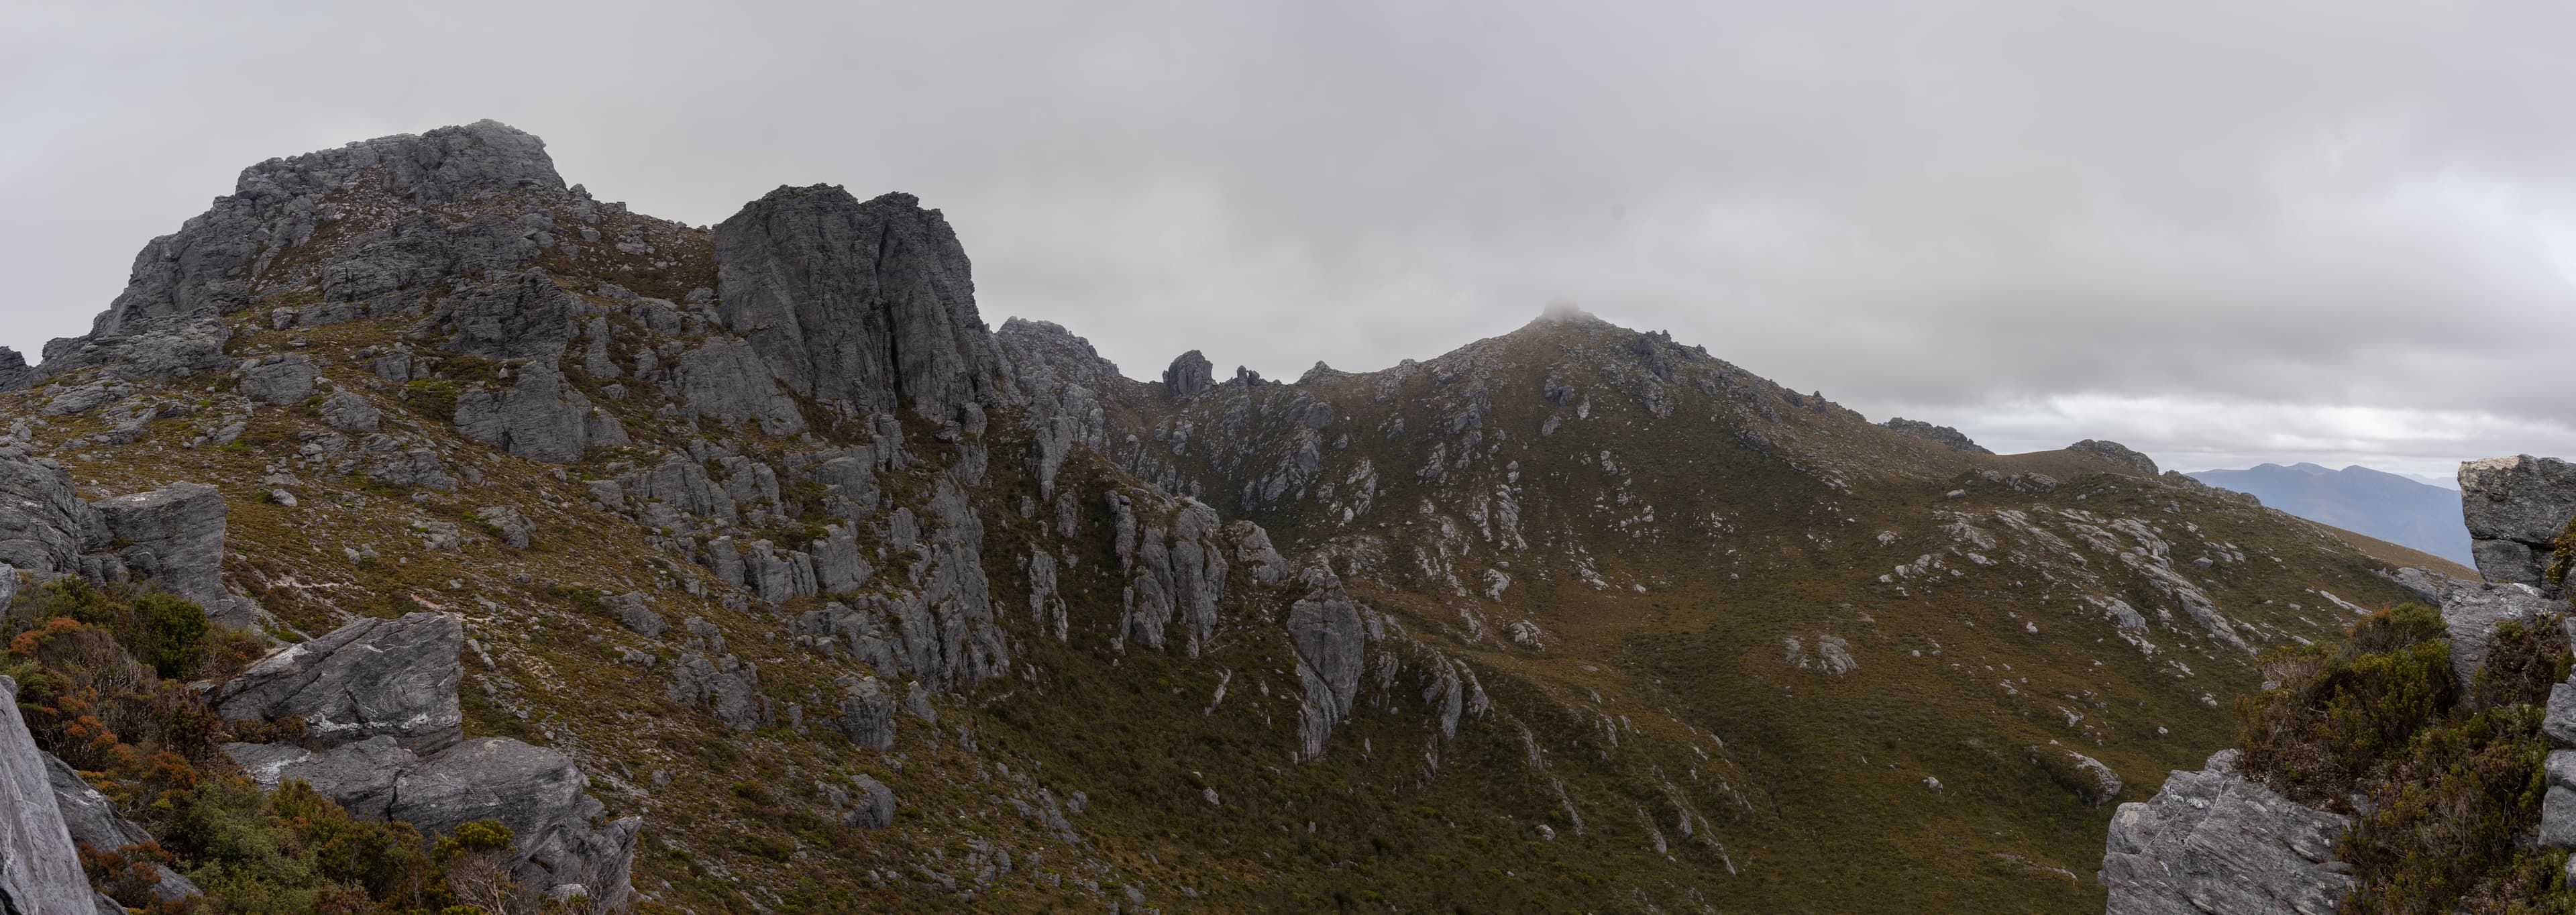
[100, 676]
[2441, 789]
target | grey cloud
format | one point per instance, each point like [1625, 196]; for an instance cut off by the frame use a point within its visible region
[1988, 213]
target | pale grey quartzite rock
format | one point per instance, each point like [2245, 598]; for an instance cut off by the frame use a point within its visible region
[279, 380]
[871, 304]
[2471, 612]
[1190, 375]
[372, 677]
[157, 349]
[2211, 841]
[2515, 508]
[44, 525]
[348, 412]
[2116, 452]
[14, 371]
[93, 821]
[515, 529]
[40, 870]
[1943, 436]
[211, 262]
[726, 379]
[539, 417]
[2558, 807]
[176, 537]
[876, 805]
[728, 686]
[1325, 629]
[528, 317]
[866, 714]
[636, 617]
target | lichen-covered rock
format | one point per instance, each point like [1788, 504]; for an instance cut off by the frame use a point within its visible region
[871, 304]
[40, 870]
[44, 525]
[348, 412]
[866, 714]
[279, 380]
[372, 677]
[2515, 508]
[539, 417]
[2211, 841]
[1943, 436]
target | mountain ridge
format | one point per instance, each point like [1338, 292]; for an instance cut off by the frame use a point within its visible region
[2370, 502]
[1574, 616]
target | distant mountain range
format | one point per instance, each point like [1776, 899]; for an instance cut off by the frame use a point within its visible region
[2399, 509]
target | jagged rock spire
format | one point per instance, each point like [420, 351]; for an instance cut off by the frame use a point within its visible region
[871, 304]
[1190, 374]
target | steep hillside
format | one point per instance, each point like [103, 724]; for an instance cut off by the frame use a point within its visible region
[2361, 500]
[856, 603]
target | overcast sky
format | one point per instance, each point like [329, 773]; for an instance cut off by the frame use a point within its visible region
[2222, 233]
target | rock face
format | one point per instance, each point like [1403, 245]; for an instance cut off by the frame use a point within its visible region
[211, 263]
[527, 318]
[156, 349]
[869, 304]
[2116, 452]
[391, 678]
[177, 539]
[1190, 375]
[174, 536]
[2515, 508]
[2212, 841]
[279, 380]
[1943, 436]
[40, 871]
[44, 525]
[1331, 643]
[540, 417]
[726, 379]
[535, 791]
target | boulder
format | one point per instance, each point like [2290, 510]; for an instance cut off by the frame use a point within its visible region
[539, 417]
[348, 412]
[279, 380]
[875, 807]
[1330, 640]
[870, 304]
[526, 317]
[2515, 508]
[175, 538]
[2558, 807]
[44, 525]
[372, 677]
[156, 349]
[515, 529]
[2211, 841]
[40, 869]
[866, 714]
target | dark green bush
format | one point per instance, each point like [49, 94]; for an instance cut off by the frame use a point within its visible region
[2334, 713]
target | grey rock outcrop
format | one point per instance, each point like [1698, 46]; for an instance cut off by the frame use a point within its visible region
[875, 807]
[2211, 841]
[93, 821]
[2515, 508]
[515, 528]
[156, 349]
[866, 714]
[638, 618]
[348, 412]
[727, 686]
[395, 678]
[279, 380]
[539, 417]
[15, 373]
[44, 525]
[529, 318]
[869, 304]
[2472, 611]
[1190, 375]
[535, 791]
[176, 539]
[1179, 573]
[2114, 451]
[1943, 436]
[1331, 643]
[213, 261]
[2558, 806]
[726, 379]
[40, 869]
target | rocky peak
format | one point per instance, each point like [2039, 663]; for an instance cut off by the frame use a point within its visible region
[2117, 453]
[279, 204]
[1190, 375]
[1943, 436]
[871, 304]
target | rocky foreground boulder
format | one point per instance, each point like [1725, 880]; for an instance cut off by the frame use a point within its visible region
[2515, 508]
[382, 725]
[171, 538]
[40, 871]
[2212, 841]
